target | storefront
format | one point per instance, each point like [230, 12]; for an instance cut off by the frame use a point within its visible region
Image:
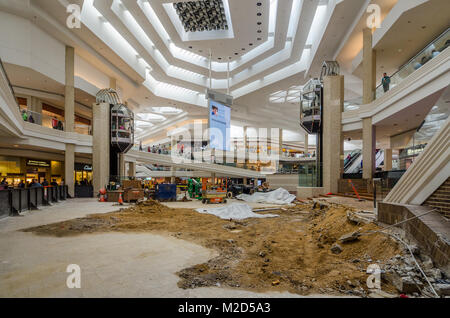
[83, 173]
[17, 169]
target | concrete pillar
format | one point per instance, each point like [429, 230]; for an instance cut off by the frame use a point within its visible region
[387, 159]
[172, 174]
[35, 105]
[246, 154]
[333, 140]
[306, 144]
[280, 141]
[369, 67]
[69, 168]
[213, 177]
[245, 180]
[100, 147]
[69, 103]
[132, 169]
[122, 172]
[369, 148]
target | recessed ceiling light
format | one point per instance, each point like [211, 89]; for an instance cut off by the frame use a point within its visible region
[259, 31]
[259, 23]
[236, 53]
[259, 4]
[190, 47]
[259, 14]
[243, 49]
[259, 39]
[250, 44]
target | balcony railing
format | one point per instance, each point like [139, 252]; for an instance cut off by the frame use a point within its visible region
[53, 122]
[432, 50]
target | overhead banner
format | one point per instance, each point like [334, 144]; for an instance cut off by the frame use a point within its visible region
[219, 124]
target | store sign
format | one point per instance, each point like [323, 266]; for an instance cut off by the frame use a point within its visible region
[36, 163]
[83, 167]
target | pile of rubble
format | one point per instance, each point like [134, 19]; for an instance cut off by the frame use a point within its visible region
[404, 274]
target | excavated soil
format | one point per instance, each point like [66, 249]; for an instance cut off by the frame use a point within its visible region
[286, 253]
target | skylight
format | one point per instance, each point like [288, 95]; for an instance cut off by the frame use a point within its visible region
[167, 110]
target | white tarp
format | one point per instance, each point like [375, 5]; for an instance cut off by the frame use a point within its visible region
[278, 196]
[235, 211]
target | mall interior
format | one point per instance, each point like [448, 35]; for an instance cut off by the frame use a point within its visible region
[287, 106]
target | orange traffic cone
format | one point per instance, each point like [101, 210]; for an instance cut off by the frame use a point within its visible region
[102, 195]
[120, 199]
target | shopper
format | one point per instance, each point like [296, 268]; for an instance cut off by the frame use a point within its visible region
[54, 183]
[35, 184]
[60, 125]
[21, 184]
[54, 123]
[24, 115]
[386, 81]
[4, 182]
[45, 183]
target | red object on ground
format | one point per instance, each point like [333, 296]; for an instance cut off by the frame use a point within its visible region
[354, 189]
[403, 296]
[120, 199]
[329, 193]
[102, 191]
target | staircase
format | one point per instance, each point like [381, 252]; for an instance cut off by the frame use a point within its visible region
[346, 190]
[440, 199]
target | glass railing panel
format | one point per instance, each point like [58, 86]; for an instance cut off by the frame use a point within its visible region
[309, 175]
[427, 54]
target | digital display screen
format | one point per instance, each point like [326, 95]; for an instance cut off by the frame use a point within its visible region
[219, 124]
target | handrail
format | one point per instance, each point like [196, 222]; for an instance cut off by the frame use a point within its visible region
[405, 65]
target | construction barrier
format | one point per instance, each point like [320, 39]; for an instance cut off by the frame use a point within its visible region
[13, 201]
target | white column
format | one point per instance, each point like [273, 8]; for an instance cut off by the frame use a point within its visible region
[333, 153]
[69, 168]
[69, 97]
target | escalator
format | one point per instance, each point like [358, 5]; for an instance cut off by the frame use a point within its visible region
[349, 160]
[354, 165]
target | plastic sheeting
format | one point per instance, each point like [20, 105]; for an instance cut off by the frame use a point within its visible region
[278, 196]
[235, 211]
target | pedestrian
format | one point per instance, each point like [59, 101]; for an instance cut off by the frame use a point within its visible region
[386, 81]
[24, 115]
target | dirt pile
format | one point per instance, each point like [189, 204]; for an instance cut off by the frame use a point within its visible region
[288, 253]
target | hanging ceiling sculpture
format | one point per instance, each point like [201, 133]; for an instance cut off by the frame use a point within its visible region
[205, 15]
[107, 95]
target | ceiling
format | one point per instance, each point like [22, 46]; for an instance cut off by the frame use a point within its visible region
[137, 43]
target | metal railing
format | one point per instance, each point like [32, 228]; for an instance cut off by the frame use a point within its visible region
[432, 50]
[16, 200]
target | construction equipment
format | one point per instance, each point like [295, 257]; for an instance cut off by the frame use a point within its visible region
[214, 193]
[166, 192]
[195, 189]
[132, 190]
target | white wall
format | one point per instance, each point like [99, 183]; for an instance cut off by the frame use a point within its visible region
[31, 47]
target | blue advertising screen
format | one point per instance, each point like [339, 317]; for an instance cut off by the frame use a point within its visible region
[219, 124]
